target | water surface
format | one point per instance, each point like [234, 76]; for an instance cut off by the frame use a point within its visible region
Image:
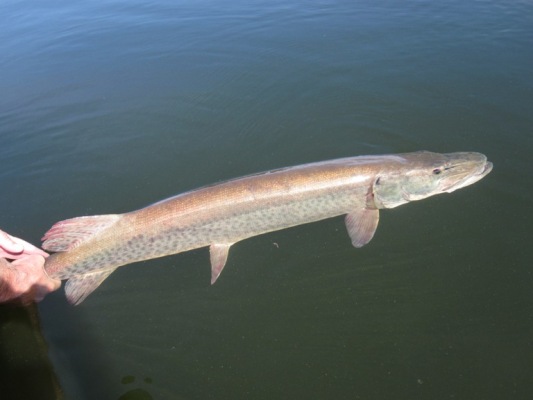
[109, 106]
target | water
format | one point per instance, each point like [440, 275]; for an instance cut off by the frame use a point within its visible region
[109, 106]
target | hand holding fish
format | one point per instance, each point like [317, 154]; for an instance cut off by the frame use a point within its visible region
[25, 278]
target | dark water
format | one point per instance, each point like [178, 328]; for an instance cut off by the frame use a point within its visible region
[107, 106]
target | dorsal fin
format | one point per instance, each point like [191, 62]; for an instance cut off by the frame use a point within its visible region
[70, 233]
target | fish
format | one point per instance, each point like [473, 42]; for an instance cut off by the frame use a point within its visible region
[88, 249]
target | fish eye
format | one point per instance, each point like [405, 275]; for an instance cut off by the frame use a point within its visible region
[437, 171]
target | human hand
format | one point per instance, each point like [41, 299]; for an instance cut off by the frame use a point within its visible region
[12, 247]
[25, 278]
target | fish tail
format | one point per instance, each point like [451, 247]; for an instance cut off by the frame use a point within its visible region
[70, 233]
[67, 235]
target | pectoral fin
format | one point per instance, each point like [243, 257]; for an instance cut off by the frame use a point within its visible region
[361, 225]
[79, 287]
[219, 255]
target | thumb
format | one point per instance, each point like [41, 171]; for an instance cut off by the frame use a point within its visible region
[8, 246]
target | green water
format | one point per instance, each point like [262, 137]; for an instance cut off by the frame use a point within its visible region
[106, 107]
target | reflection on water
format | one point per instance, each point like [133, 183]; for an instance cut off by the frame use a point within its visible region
[109, 106]
[137, 393]
[26, 372]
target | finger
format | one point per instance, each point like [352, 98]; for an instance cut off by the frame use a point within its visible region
[8, 246]
[31, 268]
[44, 283]
[44, 286]
[27, 248]
[53, 283]
[35, 250]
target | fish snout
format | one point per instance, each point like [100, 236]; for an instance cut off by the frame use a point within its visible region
[467, 168]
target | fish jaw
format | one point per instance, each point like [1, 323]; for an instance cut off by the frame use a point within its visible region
[470, 168]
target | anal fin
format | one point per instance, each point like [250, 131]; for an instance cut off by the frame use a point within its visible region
[79, 287]
[361, 225]
[219, 254]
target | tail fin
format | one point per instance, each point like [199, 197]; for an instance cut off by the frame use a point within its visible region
[64, 237]
[70, 233]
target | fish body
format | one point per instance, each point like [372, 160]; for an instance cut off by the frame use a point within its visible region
[88, 249]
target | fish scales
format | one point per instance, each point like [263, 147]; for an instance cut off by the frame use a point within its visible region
[199, 219]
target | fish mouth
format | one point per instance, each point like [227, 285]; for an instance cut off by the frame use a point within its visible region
[487, 168]
[479, 175]
[470, 170]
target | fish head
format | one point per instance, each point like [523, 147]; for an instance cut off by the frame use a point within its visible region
[424, 174]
